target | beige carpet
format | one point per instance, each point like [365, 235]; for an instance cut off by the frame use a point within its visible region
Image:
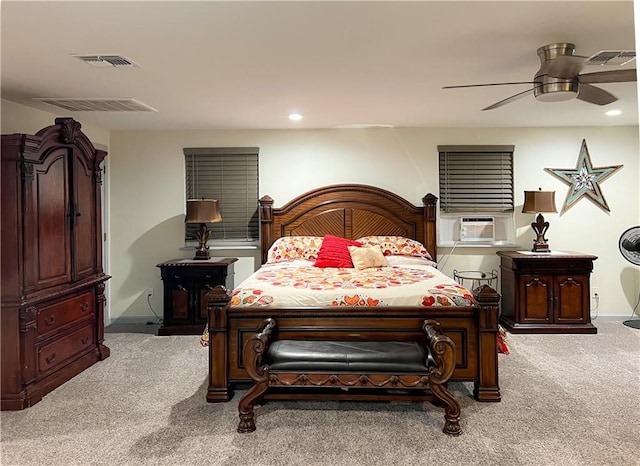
[567, 400]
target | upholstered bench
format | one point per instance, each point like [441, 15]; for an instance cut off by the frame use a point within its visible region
[385, 367]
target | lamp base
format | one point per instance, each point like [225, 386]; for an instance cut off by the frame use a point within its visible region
[540, 247]
[540, 227]
[202, 235]
[201, 254]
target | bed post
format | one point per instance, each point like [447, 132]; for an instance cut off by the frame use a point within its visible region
[219, 388]
[486, 385]
[430, 239]
[266, 226]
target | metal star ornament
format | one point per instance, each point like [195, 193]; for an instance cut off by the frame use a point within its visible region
[584, 180]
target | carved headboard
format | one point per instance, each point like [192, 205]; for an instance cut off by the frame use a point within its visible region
[349, 211]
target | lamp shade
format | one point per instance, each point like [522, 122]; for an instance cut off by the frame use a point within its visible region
[203, 211]
[539, 201]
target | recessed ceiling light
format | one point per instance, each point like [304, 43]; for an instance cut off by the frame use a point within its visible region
[295, 117]
[613, 112]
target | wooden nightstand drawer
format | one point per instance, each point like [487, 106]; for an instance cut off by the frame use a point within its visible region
[54, 316]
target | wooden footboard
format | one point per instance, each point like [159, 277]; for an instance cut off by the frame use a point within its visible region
[473, 330]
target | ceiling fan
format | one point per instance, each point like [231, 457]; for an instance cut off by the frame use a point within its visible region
[559, 77]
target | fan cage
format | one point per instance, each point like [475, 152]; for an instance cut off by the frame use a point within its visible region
[630, 239]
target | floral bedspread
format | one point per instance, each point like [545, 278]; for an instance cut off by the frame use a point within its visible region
[407, 281]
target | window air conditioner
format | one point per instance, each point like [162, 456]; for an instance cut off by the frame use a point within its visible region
[477, 229]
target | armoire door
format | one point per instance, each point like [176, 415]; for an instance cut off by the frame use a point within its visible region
[47, 229]
[84, 245]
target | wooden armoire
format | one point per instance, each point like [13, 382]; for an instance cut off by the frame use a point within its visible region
[52, 282]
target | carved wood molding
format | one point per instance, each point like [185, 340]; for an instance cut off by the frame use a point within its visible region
[27, 170]
[27, 317]
[288, 379]
[69, 129]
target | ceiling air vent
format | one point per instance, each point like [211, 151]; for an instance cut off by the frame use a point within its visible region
[107, 61]
[97, 105]
[612, 57]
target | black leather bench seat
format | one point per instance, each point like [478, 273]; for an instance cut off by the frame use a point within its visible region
[348, 356]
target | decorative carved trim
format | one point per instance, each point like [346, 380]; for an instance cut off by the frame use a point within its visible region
[88, 283]
[289, 379]
[97, 173]
[69, 129]
[217, 301]
[27, 317]
[27, 170]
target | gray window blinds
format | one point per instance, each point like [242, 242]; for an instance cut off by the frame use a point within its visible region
[476, 178]
[229, 175]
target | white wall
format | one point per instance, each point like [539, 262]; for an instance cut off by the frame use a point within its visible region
[146, 196]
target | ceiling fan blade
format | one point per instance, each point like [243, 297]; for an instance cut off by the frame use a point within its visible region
[615, 76]
[595, 95]
[511, 99]
[489, 84]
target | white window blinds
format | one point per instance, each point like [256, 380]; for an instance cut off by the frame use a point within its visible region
[476, 178]
[230, 175]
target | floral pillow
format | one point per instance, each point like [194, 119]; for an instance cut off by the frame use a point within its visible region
[289, 248]
[396, 246]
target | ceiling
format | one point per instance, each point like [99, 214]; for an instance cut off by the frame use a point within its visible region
[247, 65]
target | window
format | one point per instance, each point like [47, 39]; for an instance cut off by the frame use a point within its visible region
[476, 191]
[230, 175]
[476, 178]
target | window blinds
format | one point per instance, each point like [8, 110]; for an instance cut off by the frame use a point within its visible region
[229, 175]
[476, 178]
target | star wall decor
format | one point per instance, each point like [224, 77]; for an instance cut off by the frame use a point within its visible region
[584, 180]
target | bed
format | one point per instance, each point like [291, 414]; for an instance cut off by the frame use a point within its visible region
[350, 212]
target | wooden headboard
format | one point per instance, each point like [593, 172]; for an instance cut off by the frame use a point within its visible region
[349, 211]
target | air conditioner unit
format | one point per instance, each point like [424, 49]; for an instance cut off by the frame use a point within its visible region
[477, 229]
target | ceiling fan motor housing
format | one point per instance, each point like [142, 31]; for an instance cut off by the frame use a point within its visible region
[550, 89]
[552, 51]
[564, 84]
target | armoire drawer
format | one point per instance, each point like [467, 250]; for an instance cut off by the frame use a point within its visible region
[56, 315]
[60, 350]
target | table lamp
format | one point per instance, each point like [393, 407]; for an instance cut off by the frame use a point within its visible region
[202, 211]
[538, 202]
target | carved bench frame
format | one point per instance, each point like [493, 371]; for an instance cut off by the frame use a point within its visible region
[431, 382]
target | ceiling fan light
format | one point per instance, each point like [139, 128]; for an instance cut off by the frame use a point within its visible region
[554, 90]
[556, 96]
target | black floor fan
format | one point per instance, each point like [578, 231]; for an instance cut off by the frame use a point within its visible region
[629, 245]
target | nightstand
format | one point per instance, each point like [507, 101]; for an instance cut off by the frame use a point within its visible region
[185, 283]
[545, 292]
